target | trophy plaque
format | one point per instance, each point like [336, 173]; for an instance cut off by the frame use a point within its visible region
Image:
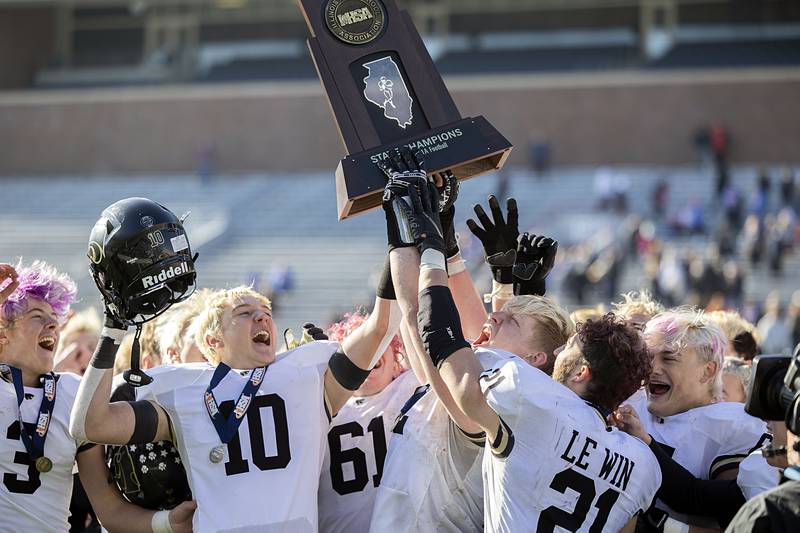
[385, 92]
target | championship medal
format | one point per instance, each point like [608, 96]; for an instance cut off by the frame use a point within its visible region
[43, 464]
[216, 455]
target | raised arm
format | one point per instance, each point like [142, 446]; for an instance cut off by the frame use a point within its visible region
[438, 322]
[499, 238]
[469, 302]
[117, 514]
[95, 418]
[8, 277]
[405, 268]
[360, 351]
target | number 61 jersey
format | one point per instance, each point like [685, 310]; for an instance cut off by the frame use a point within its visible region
[565, 468]
[268, 478]
[353, 467]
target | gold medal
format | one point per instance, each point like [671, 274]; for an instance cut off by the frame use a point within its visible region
[217, 454]
[43, 464]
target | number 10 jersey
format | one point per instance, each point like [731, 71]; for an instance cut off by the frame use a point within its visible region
[268, 479]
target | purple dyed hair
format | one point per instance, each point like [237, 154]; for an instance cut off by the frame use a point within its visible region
[41, 282]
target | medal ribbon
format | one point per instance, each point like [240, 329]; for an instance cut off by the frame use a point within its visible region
[34, 444]
[227, 427]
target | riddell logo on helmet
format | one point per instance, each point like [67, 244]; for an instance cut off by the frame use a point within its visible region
[164, 275]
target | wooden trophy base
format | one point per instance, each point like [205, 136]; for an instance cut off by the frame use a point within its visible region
[467, 147]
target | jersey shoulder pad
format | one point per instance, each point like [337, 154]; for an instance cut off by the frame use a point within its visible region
[510, 383]
[730, 425]
[736, 433]
[492, 357]
[67, 385]
[403, 385]
[171, 377]
[315, 353]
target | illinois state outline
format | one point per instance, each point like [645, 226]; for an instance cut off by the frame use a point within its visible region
[385, 87]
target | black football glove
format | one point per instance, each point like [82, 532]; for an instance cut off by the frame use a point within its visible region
[499, 237]
[448, 192]
[536, 255]
[426, 227]
[402, 168]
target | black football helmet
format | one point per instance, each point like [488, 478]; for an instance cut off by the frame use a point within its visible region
[140, 260]
[149, 475]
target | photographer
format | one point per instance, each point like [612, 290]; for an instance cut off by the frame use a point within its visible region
[774, 396]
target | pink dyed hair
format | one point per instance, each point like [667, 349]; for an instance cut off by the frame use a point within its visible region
[339, 330]
[39, 281]
[686, 327]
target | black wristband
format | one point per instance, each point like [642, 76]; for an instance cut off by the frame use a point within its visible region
[385, 288]
[439, 323]
[346, 373]
[105, 353]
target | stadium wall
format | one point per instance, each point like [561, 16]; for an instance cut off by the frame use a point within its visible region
[637, 118]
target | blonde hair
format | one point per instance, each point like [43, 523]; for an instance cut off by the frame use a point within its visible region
[209, 322]
[637, 303]
[732, 324]
[738, 368]
[173, 325]
[123, 360]
[588, 313]
[148, 342]
[555, 325]
[86, 321]
[688, 328]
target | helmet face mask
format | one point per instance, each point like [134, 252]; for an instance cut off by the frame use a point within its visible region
[140, 259]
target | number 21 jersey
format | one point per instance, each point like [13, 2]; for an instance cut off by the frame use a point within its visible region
[566, 468]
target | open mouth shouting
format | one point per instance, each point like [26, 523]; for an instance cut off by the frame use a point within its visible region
[263, 338]
[658, 389]
[48, 342]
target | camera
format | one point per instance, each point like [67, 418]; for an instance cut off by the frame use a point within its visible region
[775, 389]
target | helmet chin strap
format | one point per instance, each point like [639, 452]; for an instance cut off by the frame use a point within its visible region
[135, 376]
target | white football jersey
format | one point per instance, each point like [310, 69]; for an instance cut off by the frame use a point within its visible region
[30, 500]
[705, 440]
[268, 479]
[566, 469]
[357, 442]
[432, 475]
[756, 475]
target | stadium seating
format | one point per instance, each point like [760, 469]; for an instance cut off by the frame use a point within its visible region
[244, 225]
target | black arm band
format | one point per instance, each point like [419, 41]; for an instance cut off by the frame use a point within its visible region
[685, 493]
[105, 353]
[346, 373]
[145, 422]
[439, 323]
[385, 286]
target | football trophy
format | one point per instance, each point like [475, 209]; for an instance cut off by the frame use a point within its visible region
[385, 92]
